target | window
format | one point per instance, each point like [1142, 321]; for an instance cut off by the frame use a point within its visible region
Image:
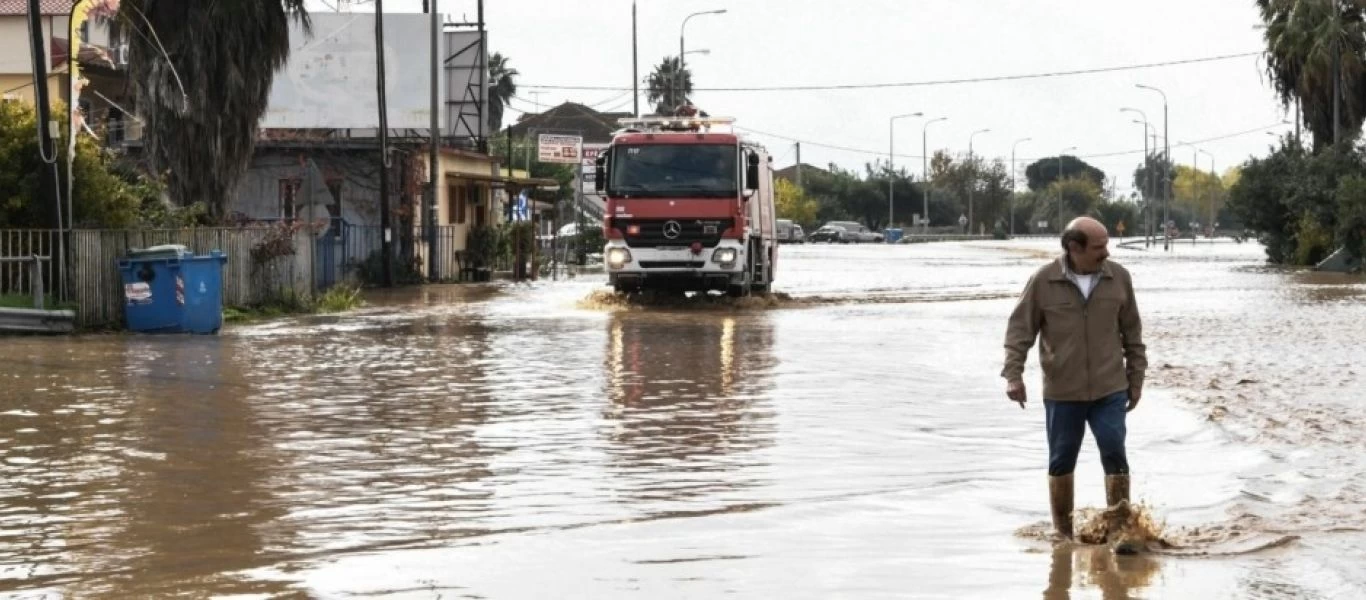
[456, 199]
[289, 198]
[671, 170]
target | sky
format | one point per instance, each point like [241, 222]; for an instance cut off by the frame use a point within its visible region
[1226, 107]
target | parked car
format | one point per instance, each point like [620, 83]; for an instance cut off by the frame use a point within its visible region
[798, 234]
[831, 234]
[790, 233]
[854, 233]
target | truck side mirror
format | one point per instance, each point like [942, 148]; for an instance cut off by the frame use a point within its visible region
[600, 173]
[752, 172]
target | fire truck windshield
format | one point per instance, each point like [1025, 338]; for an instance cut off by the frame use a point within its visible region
[672, 170]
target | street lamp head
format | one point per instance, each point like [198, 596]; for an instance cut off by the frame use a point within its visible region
[719, 11]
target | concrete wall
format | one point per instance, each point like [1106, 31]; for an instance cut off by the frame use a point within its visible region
[258, 193]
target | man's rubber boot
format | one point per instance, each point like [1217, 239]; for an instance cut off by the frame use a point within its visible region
[1060, 499]
[1116, 489]
[1117, 501]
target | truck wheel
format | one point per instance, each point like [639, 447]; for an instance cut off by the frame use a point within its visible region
[736, 291]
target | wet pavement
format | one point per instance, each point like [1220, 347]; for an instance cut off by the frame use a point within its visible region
[851, 440]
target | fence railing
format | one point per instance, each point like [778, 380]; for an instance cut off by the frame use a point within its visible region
[251, 276]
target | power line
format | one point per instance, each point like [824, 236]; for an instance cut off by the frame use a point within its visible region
[865, 86]
[880, 153]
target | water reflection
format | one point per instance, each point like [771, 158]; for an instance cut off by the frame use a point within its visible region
[687, 398]
[193, 489]
[1085, 567]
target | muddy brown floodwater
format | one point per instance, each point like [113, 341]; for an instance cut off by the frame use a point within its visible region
[850, 439]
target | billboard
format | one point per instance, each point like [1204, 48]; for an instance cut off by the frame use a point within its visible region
[590, 164]
[559, 148]
[466, 59]
[329, 80]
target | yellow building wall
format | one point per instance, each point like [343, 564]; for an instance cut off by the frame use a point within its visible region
[20, 86]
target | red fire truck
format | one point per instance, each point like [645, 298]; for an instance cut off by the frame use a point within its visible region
[689, 207]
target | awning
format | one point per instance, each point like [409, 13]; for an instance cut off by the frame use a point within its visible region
[503, 180]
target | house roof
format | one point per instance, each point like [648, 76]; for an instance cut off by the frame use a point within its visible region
[790, 173]
[596, 127]
[11, 8]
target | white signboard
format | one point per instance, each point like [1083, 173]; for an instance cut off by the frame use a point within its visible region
[559, 148]
[590, 166]
[329, 80]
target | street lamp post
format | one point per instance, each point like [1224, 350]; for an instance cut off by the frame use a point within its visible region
[1167, 176]
[1012, 182]
[1148, 173]
[682, 62]
[1060, 156]
[925, 170]
[972, 184]
[1215, 175]
[891, 158]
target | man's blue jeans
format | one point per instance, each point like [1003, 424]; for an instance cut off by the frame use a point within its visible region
[1067, 428]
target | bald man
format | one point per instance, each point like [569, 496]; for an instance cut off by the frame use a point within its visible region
[1081, 307]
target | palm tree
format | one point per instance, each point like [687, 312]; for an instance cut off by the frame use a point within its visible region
[225, 54]
[502, 87]
[1307, 41]
[668, 87]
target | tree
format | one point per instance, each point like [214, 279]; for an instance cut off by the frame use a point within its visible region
[502, 87]
[107, 193]
[1300, 205]
[668, 87]
[1043, 172]
[793, 203]
[1198, 193]
[1351, 230]
[225, 54]
[1303, 39]
[1080, 196]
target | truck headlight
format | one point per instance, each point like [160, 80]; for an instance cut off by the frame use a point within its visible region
[618, 257]
[724, 255]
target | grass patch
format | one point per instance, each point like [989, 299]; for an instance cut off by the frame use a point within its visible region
[26, 301]
[336, 299]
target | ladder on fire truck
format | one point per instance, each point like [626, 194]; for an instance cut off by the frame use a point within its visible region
[674, 124]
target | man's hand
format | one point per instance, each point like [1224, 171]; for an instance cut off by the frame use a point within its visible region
[1135, 394]
[1015, 390]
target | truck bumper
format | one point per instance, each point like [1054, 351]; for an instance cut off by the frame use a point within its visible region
[676, 268]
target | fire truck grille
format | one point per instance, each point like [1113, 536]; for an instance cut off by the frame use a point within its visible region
[656, 233]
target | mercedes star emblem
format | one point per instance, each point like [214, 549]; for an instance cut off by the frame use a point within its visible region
[672, 230]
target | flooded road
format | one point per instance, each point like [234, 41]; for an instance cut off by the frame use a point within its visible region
[852, 441]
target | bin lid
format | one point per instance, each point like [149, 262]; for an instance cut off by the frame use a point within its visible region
[162, 251]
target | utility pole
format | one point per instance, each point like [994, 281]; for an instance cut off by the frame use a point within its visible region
[433, 169]
[799, 166]
[635, 65]
[47, 182]
[972, 184]
[1012, 182]
[386, 249]
[925, 171]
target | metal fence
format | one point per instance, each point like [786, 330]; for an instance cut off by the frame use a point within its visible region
[93, 282]
[16, 278]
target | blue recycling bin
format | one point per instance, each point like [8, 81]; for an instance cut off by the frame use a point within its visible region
[167, 289]
[892, 235]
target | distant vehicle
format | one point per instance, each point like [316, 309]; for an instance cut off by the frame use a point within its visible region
[689, 207]
[830, 234]
[799, 234]
[849, 233]
[790, 233]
